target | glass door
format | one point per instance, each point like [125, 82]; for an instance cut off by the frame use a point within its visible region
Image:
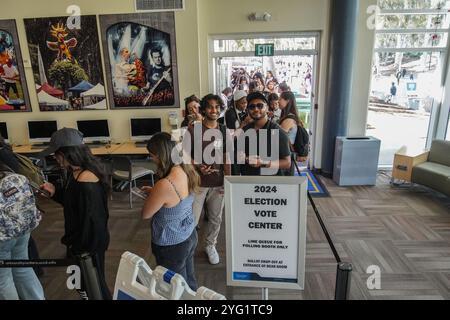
[293, 64]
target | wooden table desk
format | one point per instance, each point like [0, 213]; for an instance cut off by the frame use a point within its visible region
[129, 148]
[98, 151]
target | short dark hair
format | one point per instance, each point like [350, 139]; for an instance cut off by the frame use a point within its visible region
[190, 99]
[153, 50]
[227, 90]
[272, 97]
[252, 85]
[209, 97]
[284, 86]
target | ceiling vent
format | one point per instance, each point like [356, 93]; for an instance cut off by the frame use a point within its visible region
[158, 5]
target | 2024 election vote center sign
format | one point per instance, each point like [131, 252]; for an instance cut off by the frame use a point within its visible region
[266, 231]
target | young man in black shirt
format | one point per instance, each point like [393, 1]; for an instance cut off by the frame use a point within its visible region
[263, 158]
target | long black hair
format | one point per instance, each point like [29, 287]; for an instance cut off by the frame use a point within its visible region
[291, 108]
[81, 156]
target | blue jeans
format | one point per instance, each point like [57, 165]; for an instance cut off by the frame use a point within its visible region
[18, 283]
[179, 258]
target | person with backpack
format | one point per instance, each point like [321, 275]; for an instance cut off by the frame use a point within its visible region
[84, 197]
[211, 195]
[19, 216]
[291, 124]
[24, 166]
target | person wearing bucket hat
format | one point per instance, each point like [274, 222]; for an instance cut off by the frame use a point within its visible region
[236, 117]
[84, 196]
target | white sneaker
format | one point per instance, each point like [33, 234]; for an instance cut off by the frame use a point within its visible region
[213, 256]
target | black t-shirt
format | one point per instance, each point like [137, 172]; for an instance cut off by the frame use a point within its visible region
[216, 178]
[85, 216]
[231, 116]
[283, 152]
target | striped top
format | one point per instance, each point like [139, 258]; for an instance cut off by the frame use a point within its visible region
[171, 226]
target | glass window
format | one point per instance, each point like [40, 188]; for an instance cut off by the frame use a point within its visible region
[404, 81]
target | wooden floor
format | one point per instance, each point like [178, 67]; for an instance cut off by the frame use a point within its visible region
[404, 231]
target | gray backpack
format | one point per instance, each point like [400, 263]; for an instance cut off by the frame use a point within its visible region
[18, 212]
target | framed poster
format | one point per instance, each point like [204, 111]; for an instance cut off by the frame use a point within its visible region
[140, 60]
[66, 63]
[13, 85]
[266, 231]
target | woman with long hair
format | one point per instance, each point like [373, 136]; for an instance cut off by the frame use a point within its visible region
[84, 196]
[290, 120]
[169, 205]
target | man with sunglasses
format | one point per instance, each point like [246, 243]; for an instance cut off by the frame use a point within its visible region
[256, 160]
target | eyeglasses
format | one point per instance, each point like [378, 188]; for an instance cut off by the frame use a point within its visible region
[260, 106]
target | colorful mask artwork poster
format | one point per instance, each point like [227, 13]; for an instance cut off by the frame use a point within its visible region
[66, 62]
[140, 60]
[13, 86]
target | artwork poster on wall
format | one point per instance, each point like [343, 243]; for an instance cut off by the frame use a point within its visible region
[13, 85]
[140, 60]
[66, 62]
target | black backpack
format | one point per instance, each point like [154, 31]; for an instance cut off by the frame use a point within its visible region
[301, 144]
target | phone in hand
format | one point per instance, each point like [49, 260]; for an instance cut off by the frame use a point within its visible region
[37, 190]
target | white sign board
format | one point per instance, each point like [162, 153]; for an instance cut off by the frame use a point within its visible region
[266, 231]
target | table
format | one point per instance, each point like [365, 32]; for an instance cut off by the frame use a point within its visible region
[100, 151]
[404, 160]
[130, 148]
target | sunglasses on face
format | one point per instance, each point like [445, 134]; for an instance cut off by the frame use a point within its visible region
[260, 106]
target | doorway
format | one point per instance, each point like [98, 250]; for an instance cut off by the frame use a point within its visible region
[295, 63]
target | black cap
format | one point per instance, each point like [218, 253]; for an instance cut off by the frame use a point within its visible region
[66, 137]
[257, 95]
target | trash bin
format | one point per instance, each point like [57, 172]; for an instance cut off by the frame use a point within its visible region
[356, 161]
[413, 104]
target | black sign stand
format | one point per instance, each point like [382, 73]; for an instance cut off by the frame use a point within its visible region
[344, 269]
[89, 272]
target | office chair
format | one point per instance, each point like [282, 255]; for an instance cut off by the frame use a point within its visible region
[124, 170]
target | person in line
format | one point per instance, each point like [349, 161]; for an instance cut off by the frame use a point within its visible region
[192, 111]
[211, 195]
[169, 206]
[270, 88]
[11, 160]
[290, 121]
[274, 107]
[84, 197]
[225, 95]
[258, 109]
[19, 217]
[236, 116]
